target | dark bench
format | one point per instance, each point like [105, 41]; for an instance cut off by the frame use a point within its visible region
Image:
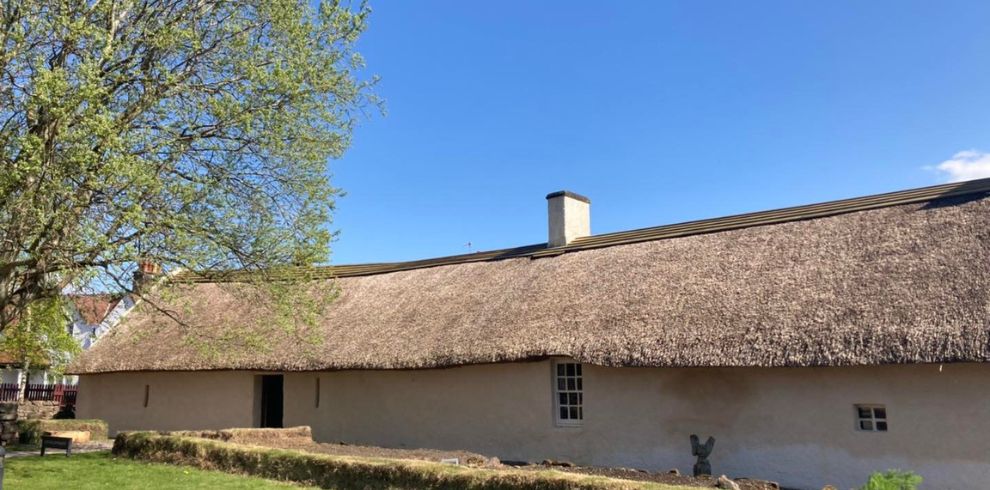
[54, 442]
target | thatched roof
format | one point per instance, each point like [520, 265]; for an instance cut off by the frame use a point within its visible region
[897, 278]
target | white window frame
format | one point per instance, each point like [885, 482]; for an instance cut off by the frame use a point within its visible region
[873, 419]
[571, 386]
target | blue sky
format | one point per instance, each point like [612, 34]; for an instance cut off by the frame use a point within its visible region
[660, 112]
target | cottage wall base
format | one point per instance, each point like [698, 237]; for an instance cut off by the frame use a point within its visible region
[176, 401]
[793, 425]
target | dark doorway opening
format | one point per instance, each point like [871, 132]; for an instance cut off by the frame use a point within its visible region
[271, 401]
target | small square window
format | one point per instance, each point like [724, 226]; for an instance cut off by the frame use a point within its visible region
[871, 418]
[570, 397]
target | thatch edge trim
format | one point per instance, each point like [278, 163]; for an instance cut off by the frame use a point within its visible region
[524, 360]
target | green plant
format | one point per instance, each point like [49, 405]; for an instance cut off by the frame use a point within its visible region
[893, 480]
[39, 338]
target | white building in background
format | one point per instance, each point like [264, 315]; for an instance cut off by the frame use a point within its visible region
[95, 315]
[91, 317]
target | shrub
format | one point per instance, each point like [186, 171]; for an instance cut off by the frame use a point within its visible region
[892, 480]
[31, 430]
[342, 472]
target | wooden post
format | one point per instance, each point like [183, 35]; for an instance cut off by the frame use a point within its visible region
[58, 393]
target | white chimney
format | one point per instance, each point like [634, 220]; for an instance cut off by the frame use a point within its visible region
[569, 217]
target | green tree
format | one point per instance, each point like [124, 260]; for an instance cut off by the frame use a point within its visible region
[40, 337]
[191, 133]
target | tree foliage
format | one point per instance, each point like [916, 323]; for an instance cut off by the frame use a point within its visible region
[40, 337]
[192, 133]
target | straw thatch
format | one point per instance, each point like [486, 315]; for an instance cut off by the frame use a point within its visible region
[906, 283]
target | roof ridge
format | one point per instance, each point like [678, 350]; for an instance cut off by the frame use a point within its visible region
[687, 228]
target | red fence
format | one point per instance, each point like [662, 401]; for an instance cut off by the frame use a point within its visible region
[64, 394]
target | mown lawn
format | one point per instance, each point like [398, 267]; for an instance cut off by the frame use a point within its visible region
[102, 470]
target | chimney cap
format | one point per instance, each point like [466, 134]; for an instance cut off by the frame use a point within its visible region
[149, 267]
[572, 195]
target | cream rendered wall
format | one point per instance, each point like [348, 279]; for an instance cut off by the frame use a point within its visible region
[795, 426]
[176, 401]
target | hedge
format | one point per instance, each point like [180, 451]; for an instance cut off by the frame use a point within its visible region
[32, 430]
[344, 472]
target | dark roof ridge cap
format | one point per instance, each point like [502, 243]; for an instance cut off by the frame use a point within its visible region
[777, 216]
[572, 195]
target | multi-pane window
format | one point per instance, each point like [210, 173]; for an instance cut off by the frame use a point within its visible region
[871, 418]
[569, 393]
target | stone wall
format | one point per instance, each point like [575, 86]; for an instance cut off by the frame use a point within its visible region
[36, 409]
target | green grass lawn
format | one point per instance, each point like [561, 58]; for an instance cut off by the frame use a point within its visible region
[102, 470]
[87, 471]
